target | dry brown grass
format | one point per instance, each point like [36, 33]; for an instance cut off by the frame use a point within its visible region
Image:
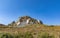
[35, 28]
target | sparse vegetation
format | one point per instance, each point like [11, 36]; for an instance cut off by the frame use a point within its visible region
[45, 35]
[6, 36]
[26, 35]
[51, 25]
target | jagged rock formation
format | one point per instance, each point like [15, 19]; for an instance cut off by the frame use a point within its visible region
[25, 20]
[12, 24]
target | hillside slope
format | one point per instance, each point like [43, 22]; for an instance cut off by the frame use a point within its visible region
[33, 29]
[27, 27]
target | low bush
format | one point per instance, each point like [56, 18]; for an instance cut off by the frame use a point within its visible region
[45, 35]
[6, 36]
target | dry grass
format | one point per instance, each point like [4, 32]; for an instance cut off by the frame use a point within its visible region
[34, 29]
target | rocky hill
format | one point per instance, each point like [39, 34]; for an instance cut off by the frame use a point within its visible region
[2, 25]
[25, 20]
[27, 27]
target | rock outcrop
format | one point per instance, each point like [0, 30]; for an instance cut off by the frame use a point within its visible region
[2, 25]
[25, 20]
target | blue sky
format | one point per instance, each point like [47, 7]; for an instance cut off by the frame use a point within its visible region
[46, 10]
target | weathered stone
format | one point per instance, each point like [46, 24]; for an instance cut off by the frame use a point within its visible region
[27, 20]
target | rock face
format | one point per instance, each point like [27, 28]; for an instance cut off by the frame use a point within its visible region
[2, 25]
[25, 20]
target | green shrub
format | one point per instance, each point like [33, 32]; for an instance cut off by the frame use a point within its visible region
[44, 35]
[19, 36]
[6, 36]
[28, 35]
[24, 35]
